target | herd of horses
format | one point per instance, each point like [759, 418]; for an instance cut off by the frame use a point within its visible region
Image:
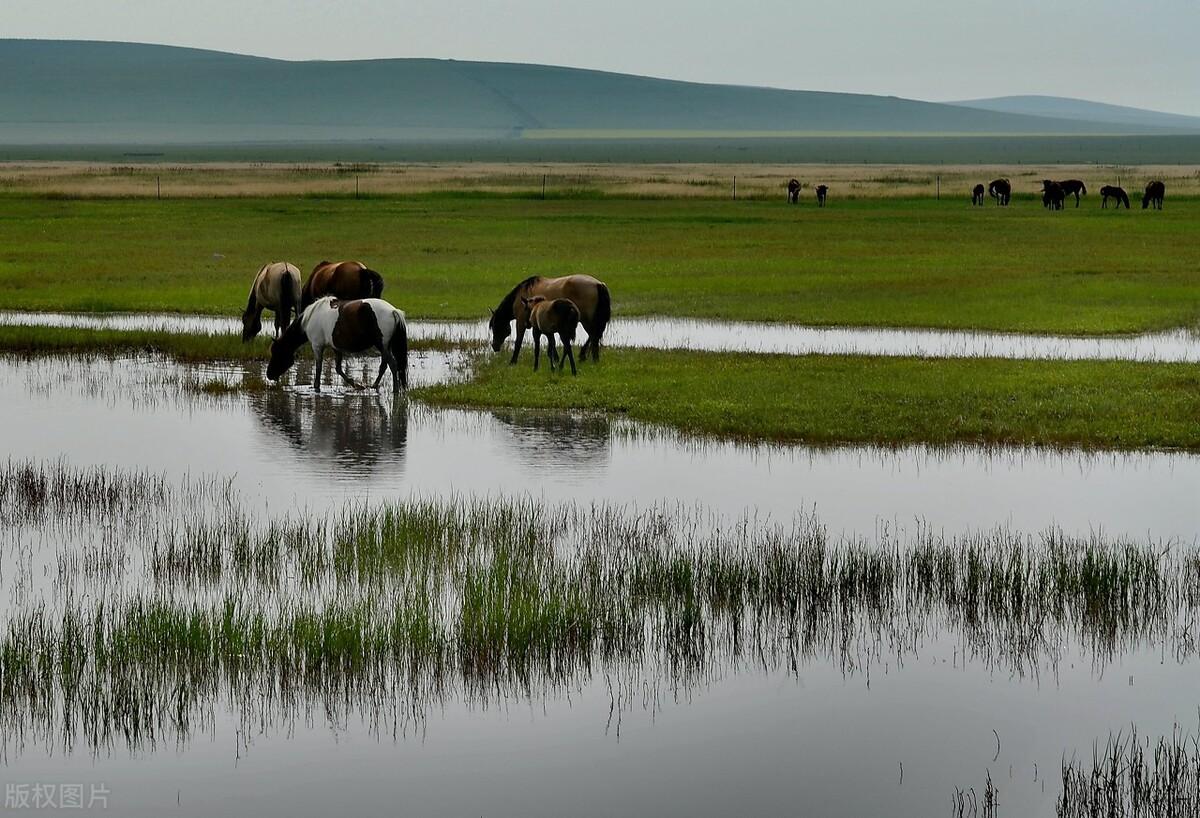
[794, 187]
[1055, 193]
[340, 308]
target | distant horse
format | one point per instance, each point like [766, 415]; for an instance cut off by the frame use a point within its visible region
[1053, 195]
[1073, 187]
[589, 295]
[977, 194]
[559, 316]
[794, 191]
[349, 328]
[822, 192]
[1155, 192]
[277, 288]
[1113, 192]
[346, 280]
[1001, 191]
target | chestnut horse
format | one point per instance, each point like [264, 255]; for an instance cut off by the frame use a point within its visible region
[589, 295]
[547, 318]
[342, 279]
[276, 288]
[349, 328]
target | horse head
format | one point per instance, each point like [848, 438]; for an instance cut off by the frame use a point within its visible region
[251, 325]
[500, 330]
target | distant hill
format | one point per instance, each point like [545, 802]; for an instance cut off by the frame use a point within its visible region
[1082, 110]
[74, 92]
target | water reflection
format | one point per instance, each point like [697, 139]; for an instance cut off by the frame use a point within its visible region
[556, 440]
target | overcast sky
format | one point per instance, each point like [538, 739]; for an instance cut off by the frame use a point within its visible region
[1129, 52]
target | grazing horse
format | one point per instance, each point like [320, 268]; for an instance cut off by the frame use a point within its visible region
[1053, 195]
[277, 288]
[1114, 192]
[589, 295]
[547, 318]
[1073, 187]
[346, 280]
[822, 192]
[1155, 192]
[1001, 191]
[794, 191]
[348, 327]
[977, 193]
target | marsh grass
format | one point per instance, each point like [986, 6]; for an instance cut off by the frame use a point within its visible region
[384, 611]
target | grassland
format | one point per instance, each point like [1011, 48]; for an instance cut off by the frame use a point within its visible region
[869, 261]
[836, 399]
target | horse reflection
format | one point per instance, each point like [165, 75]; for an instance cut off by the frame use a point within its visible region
[358, 430]
[557, 439]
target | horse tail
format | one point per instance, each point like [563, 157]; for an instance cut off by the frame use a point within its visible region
[287, 298]
[1083, 188]
[398, 346]
[372, 283]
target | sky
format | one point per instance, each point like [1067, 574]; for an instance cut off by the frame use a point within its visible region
[1126, 52]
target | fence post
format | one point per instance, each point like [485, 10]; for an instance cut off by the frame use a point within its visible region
[735, 188]
[356, 186]
[158, 184]
[543, 187]
[939, 187]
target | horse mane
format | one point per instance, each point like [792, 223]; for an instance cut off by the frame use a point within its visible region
[506, 304]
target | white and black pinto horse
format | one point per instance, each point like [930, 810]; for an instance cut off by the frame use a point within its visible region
[358, 327]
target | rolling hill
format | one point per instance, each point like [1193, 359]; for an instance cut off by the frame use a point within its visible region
[76, 92]
[1082, 110]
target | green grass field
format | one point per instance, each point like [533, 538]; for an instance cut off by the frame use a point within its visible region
[845, 399]
[899, 263]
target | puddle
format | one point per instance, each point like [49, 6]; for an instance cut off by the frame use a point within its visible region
[1175, 346]
[735, 736]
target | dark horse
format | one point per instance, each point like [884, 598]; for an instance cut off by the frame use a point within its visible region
[977, 194]
[1001, 191]
[559, 316]
[822, 193]
[1073, 187]
[346, 280]
[794, 191]
[1114, 192]
[1053, 195]
[1155, 192]
[348, 328]
[589, 295]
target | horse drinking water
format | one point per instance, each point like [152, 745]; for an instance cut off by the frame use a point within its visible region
[342, 279]
[276, 288]
[547, 318]
[354, 327]
[589, 296]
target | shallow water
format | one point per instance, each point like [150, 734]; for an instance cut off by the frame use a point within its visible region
[1180, 345]
[748, 738]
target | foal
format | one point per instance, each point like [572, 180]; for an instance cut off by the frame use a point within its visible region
[547, 318]
[1114, 192]
[977, 194]
[349, 327]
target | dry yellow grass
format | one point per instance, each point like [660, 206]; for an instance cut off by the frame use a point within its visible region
[637, 180]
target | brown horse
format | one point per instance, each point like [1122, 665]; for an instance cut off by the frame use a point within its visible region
[1114, 192]
[589, 295]
[346, 280]
[1001, 191]
[1053, 195]
[794, 191]
[559, 316]
[822, 193]
[1073, 187]
[977, 194]
[276, 287]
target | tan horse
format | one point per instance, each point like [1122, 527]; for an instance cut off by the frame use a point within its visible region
[589, 295]
[346, 280]
[276, 288]
[548, 318]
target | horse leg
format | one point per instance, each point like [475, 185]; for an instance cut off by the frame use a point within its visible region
[517, 341]
[383, 367]
[337, 364]
[537, 348]
[318, 366]
[551, 351]
[567, 354]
